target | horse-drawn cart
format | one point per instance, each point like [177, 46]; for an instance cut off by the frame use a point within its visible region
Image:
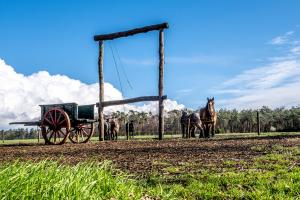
[62, 121]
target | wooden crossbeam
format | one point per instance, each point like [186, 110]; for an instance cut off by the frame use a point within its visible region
[132, 100]
[131, 32]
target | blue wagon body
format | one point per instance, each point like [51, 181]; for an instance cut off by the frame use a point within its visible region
[77, 113]
[66, 120]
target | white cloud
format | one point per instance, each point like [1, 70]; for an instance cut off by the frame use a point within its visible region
[20, 95]
[283, 39]
[266, 76]
[295, 50]
[275, 84]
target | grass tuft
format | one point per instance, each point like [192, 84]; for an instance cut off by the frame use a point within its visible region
[50, 180]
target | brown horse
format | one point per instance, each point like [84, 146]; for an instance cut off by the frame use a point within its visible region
[114, 129]
[208, 117]
[189, 123]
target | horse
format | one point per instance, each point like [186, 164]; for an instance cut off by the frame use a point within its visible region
[208, 117]
[130, 129]
[107, 130]
[184, 122]
[114, 129]
[189, 123]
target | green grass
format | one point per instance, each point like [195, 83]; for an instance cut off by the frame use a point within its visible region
[167, 136]
[273, 176]
[49, 180]
[22, 141]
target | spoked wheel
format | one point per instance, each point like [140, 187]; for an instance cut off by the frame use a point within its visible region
[55, 126]
[81, 133]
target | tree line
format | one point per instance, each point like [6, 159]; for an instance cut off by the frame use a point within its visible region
[279, 119]
[20, 133]
[229, 121]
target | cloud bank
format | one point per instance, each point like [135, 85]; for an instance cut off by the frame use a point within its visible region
[275, 84]
[20, 95]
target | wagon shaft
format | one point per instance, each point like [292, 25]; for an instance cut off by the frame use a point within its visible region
[33, 123]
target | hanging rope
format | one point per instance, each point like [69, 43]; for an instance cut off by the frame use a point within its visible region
[122, 66]
[117, 69]
[119, 78]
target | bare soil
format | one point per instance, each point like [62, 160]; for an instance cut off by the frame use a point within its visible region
[167, 156]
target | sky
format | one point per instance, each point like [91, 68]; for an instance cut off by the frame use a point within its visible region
[246, 54]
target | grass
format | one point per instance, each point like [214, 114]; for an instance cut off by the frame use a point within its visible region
[275, 175]
[167, 136]
[49, 180]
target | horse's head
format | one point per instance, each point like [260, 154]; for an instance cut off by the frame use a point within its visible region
[184, 112]
[210, 106]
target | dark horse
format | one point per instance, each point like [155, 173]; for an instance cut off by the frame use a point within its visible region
[208, 117]
[129, 129]
[189, 123]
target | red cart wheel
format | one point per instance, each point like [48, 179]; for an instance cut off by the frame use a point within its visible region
[81, 133]
[55, 126]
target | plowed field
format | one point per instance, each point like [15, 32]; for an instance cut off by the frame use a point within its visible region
[143, 157]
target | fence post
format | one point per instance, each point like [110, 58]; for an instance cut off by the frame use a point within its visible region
[127, 130]
[38, 132]
[258, 123]
[2, 132]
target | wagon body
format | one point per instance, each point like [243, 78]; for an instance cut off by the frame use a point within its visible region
[59, 122]
[77, 113]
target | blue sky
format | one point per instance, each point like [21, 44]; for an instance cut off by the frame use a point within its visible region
[209, 45]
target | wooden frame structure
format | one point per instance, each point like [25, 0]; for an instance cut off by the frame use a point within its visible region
[160, 98]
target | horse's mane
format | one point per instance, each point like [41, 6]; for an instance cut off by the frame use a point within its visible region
[207, 110]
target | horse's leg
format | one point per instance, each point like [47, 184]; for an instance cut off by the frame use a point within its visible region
[189, 128]
[193, 131]
[206, 131]
[201, 135]
[112, 134]
[182, 130]
[186, 131]
[213, 130]
[199, 126]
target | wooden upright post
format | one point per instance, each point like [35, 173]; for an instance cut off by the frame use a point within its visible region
[101, 92]
[258, 123]
[161, 85]
[127, 130]
[38, 133]
[2, 136]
